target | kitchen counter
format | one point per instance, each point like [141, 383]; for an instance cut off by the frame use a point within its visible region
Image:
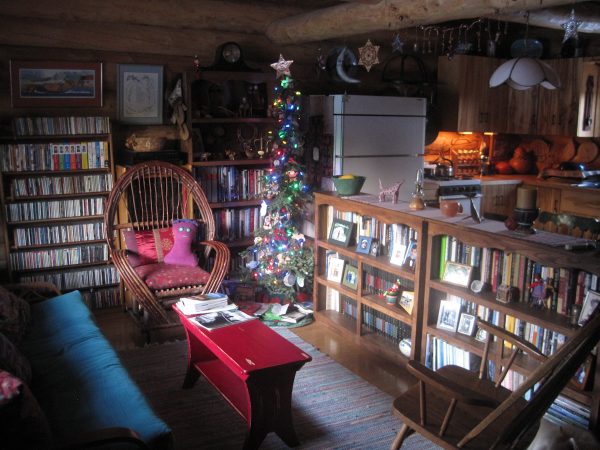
[533, 180]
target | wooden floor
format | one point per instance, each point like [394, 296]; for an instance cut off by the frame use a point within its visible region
[391, 378]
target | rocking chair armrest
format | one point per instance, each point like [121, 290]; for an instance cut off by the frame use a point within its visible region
[96, 438]
[512, 338]
[220, 267]
[460, 393]
[29, 291]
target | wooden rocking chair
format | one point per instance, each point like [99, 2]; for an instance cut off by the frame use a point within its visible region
[141, 209]
[459, 409]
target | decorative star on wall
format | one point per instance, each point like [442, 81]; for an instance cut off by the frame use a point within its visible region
[571, 27]
[368, 55]
[345, 97]
[282, 67]
[397, 45]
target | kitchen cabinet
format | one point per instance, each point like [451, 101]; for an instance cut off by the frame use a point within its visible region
[589, 107]
[498, 198]
[466, 101]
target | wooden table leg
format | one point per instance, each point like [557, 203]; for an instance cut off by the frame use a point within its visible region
[197, 352]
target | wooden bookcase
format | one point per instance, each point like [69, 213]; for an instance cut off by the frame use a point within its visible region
[54, 221]
[430, 289]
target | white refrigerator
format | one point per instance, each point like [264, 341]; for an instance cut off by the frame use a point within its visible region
[380, 138]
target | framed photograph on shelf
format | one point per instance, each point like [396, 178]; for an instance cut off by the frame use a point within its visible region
[407, 301]
[397, 257]
[581, 378]
[448, 315]
[38, 84]
[140, 94]
[341, 232]
[466, 324]
[481, 335]
[457, 273]
[364, 244]
[590, 302]
[336, 270]
[350, 277]
[374, 251]
[410, 260]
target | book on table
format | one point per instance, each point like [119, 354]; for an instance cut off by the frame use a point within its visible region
[198, 304]
[220, 319]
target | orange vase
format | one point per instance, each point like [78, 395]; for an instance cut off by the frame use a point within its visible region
[449, 208]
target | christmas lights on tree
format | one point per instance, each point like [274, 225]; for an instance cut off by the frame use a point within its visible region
[280, 260]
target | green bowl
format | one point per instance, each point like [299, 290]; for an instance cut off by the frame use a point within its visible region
[348, 186]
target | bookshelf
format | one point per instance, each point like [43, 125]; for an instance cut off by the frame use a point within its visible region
[56, 175]
[430, 289]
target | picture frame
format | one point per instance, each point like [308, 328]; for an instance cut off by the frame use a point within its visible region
[41, 84]
[448, 315]
[140, 94]
[336, 270]
[350, 277]
[466, 324]
[364, 244]
[581, 378]
[407, 301]
[397, 257]
[341, 232]
[457, 273]
[481, 335]
[374, 250]
[240, 291]
[592, 298]
[410, 259]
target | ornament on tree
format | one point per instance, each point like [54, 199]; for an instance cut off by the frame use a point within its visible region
[289, 280]
[571, 27]
[300, 281]
[368, 55]
[282, 67]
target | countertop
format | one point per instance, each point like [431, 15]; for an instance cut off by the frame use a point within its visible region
[533, 180]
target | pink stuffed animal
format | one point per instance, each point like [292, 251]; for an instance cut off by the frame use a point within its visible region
[184, 232]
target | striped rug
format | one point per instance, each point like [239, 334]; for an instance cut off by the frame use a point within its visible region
[332, 407]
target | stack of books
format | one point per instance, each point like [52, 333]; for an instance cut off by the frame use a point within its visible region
[199, 304]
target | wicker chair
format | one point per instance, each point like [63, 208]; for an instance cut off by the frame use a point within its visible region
[145, 201]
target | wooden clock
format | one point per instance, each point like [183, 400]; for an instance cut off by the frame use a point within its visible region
[229, 58]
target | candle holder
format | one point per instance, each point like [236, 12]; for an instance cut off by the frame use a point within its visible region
[525, 219]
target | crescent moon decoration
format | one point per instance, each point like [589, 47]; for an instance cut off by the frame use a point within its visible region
[368, 55]
[341, 71]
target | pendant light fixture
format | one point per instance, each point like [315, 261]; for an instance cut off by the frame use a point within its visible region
[525, 72]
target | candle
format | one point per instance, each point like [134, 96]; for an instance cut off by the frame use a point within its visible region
[526, 198]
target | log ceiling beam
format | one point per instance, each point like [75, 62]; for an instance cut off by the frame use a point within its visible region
[356, 18]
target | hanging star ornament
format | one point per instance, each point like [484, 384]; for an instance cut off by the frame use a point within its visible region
[397, 45]
[282, 67]
[368, 55]
[571, 27]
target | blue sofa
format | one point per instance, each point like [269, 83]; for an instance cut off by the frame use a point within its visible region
[80, 384]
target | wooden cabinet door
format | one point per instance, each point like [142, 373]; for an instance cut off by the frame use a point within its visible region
[499, 199]
[522, 111]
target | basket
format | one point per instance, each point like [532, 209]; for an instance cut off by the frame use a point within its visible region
[348, 186]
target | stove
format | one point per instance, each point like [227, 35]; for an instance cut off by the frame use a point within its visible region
[455, 188]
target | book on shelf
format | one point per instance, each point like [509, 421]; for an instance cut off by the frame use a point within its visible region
[220, 319]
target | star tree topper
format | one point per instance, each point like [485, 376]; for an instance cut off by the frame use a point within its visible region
[571, 27]
[282, 67]
[368, 55]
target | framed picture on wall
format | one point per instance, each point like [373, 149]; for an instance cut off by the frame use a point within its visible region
[39, 84]
[140, 94]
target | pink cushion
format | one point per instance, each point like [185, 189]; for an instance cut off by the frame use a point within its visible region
[167, 276]
[148, 246]
[13, 361]
[184, 232]
[15, 316]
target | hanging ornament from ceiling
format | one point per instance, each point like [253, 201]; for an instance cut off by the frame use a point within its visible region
[282, 67]
[320, 61]
[368, 55]
[397, 44]
[571, 27]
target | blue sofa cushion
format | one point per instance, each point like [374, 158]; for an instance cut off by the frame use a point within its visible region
[78, 379]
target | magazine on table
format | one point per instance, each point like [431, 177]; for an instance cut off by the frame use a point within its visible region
[220, 319]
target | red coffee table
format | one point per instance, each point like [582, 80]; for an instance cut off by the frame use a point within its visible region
[253, 368]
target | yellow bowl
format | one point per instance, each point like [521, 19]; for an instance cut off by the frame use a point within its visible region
[348, 186]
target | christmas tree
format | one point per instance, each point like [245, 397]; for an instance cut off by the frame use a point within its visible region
[279, 259]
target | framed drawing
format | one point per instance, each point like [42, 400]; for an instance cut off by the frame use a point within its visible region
[589, 304]
[407, 301]
[55, 84]
[350, 277]
[140, 94]
[341, 232]
[364, 244]
[336, 270]
[466, 324]
[457, 273]
[410, 259]
[448, 315]
[374, 248]
[581, 378]
[481, 335]
[397, 257]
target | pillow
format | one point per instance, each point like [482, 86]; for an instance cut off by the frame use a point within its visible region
[13, 361]
[148, 246]
[15, 316]
[185, 232]
[22, 422]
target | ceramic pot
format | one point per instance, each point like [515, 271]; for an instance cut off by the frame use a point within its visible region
[449, 208]
[391, 299]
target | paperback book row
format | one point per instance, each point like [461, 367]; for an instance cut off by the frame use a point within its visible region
[51, 126]
[379, 281]
[389, 328]
[562, 288]
[567, 411]
[54, 156]
[236, 223]
[57, 209]
[440, 353]
[77, 279]
[349, 307]
[98, 299]
[62, 185]
[59, 234]
[56, 257]
[227, 183]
